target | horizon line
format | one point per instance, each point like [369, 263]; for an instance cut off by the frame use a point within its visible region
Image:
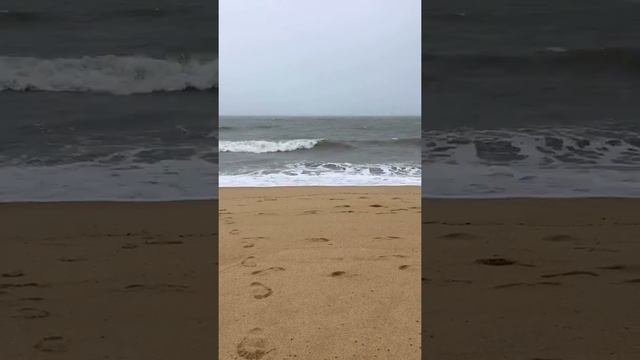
[323, 115]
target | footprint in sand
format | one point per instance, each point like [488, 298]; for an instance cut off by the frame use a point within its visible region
[52, 344]
[249, 261]
[570, 273]
[13, 274]
[157, 287]
[318, 239]
[260, 291]
[342, 206]
[234, 232]
[457, 281]
[340, 274]
[387, 237]
[246, 246]
[71, 259]
[375, 205]
[310, 212]
[630, 268]
[254, 346]
[267, 270]
[22, 285]
[404, 267]
[34, 298]
[458, 236]
[163, 242]
[31, 313]
[520, 284]
[129, 246]
[496, 261]
[560, 238]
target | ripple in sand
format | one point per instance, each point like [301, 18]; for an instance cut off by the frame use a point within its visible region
[52, 344]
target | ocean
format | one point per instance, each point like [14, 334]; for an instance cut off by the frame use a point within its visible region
[534, 98]
[108, 100]
[319, 151]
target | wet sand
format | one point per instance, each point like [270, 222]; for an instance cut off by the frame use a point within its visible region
[108, 280]
[531, 279]
[320, 273]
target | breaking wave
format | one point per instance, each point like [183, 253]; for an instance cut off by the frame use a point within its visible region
[263, 146]
[271, 146]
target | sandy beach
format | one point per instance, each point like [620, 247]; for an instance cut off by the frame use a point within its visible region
[320, 273]
[531, 279]
[108, 280]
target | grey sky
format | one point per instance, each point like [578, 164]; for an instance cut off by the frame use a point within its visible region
[319, 57]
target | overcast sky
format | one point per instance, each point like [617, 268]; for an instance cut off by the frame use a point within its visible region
[319, 57]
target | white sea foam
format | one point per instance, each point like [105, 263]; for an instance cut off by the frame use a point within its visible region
[121, 75]
[328, 174]
[326, 179]
[263, 146]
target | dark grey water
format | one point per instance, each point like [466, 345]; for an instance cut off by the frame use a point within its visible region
[281, 151]
[108, 99]
[531, 97]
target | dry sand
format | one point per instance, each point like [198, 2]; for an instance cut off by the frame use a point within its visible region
[531, 279]
[320, 273]
[108, 281]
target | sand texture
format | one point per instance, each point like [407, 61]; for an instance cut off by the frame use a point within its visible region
[531, 279]
[320, 273]
[108, 281]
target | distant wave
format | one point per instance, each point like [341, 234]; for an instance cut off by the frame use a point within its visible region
[263, 146]
[120, 75]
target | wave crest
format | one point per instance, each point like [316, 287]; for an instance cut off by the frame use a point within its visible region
[119, 75]
[264, 146]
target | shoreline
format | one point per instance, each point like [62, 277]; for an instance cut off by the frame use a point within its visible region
[216, 197]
